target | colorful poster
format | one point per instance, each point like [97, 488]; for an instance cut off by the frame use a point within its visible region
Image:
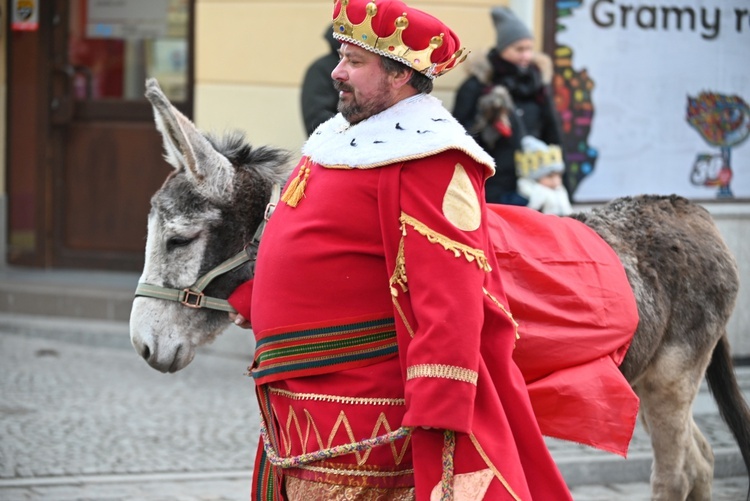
[25, 15]
[654, 97]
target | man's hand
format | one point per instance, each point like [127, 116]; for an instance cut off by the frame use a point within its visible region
[239, 320]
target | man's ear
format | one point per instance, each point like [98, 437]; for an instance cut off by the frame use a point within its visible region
[401, 78]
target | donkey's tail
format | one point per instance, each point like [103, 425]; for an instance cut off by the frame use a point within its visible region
[732, 405]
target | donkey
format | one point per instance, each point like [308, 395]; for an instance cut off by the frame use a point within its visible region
[683, 276]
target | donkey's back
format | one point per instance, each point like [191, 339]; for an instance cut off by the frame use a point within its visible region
[685, 282]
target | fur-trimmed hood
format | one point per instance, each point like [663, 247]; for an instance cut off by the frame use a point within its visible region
[479, 65]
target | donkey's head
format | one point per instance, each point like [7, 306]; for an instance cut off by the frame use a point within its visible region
[205, 212]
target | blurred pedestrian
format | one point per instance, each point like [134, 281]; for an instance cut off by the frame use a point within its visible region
[319, 98]
[514, 67]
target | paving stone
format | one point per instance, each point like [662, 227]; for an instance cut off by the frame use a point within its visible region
[91, 421]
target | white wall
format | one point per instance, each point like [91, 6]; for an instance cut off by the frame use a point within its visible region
[733, 221]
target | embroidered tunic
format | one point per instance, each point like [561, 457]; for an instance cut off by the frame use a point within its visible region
[379, 309]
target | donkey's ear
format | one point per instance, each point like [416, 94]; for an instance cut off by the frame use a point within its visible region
[185, 147]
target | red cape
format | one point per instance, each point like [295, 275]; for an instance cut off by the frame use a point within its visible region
[576, 312]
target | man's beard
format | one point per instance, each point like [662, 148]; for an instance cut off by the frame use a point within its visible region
[353, 111]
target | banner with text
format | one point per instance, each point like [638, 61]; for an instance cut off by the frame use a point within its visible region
[654, 97]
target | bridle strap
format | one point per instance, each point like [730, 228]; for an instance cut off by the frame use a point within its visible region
[193, 296]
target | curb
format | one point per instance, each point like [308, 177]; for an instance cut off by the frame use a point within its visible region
[590, 470]
[235, 342]
[125, 479]
[111, 303]
[95, 333]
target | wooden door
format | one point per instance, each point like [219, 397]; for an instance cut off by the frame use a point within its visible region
[102, 157]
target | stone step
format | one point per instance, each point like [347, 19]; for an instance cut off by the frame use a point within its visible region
[67, 293]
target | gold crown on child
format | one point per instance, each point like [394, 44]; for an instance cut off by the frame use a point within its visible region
[529, 162]
[392, 44]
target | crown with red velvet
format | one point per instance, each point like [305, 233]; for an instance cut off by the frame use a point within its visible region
[393, 29]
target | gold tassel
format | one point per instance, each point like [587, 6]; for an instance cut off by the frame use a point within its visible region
[292, 186]
[296, 189]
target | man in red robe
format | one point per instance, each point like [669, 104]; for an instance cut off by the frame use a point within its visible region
[384, 336]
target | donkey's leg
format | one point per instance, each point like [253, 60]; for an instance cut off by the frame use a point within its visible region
[667, 391]
[702, 466]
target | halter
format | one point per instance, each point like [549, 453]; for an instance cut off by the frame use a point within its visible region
[193, 296]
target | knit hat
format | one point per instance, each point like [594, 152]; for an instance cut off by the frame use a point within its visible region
[538, 159]
[509, 28]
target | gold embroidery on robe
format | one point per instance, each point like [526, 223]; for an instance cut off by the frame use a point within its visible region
[399, 278]
[507, 313]
[297, 488]
[340, 399]
[399, 274]
[460, 203]
[467, 486]
[492, 467]
[357, 472]
[458, 249]
[442, 371]
[293, 424]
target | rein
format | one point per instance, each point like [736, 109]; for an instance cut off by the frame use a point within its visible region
[193, 296]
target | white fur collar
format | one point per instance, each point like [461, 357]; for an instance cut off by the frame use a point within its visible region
[417, 127]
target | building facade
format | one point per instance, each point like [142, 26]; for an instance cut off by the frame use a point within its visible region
[80, 157]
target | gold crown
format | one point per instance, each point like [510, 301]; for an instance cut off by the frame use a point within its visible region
[529, 162]
[393, 45]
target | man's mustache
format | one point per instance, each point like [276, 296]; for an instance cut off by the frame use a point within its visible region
[339, 86]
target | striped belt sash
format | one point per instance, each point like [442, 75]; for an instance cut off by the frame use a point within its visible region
[322, 350]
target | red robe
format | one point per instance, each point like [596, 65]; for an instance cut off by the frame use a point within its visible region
[414, 241]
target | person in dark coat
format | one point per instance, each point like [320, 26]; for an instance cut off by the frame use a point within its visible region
[511, 68]
[319, 98]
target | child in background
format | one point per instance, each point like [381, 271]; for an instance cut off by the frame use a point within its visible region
[539, 168]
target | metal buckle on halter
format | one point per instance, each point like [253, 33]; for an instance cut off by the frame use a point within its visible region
[269, 210]
[188, 301]
[251, 250]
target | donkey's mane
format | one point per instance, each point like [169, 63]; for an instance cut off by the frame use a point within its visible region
[272, 163]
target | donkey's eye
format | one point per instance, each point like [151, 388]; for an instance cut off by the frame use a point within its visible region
[178, 241]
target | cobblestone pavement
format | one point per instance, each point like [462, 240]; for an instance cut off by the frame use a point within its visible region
[88, 423]
[724, 489]
[73, 414]
[228, 489]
